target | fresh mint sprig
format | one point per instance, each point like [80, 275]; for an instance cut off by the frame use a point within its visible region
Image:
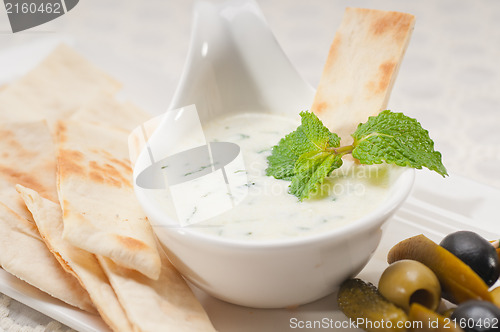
[311, 153]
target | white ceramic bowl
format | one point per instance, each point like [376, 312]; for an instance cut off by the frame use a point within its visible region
[281, 273]
[235, 65]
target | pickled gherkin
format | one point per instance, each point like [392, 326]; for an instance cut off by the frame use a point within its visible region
[363, 303]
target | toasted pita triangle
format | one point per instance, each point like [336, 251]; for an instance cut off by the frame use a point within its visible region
[104, 108]
[100, 211]
[27, 157]
[361, 68]
[53, 90]
[83, 265]
[166, 304]
[24, 254]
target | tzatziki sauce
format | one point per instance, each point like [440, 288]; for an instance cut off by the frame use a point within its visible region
[269, 211]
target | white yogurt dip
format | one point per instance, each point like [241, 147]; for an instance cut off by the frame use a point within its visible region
[269, 212]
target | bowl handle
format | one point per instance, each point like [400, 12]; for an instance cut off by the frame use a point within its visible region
[235, 64]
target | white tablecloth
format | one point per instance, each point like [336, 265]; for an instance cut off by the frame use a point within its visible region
[449, 79]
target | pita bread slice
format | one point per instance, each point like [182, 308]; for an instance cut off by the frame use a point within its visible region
[83, 265]
[54, 89]
[104, 108]
[100, 211]
[166, 304]
[361, 68]
[27, 157]
[24, 254]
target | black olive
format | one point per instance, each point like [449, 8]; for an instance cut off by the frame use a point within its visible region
[477, 316]
[476, 252]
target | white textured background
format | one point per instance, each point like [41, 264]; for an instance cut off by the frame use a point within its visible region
[449, 79]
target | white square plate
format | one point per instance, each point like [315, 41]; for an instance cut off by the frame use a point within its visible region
[436, 207]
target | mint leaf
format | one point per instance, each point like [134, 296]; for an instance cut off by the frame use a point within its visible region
[309, 154]
[281, 162]
[311, 169]
[310, 136]
[396, 139]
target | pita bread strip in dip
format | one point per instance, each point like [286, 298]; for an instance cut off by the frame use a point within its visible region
[361, 68]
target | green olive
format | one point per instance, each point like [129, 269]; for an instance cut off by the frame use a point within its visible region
[405, 282]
